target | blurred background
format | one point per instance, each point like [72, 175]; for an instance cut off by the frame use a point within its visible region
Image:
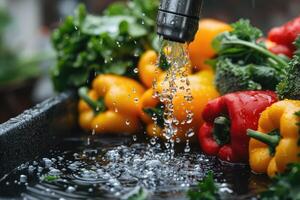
[26, 53]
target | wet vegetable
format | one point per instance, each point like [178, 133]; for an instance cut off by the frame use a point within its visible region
[202, 89]
[243, 63]
[285, 186]
[201, 48]
[111, 43]
[227, 119]
[276, 143]
[147, 68]
[50, 178]
[142, 194]
[206, 189]
[289, 87]
[284, 37]
[111, 106]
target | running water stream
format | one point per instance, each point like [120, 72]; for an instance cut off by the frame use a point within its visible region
[175, 82]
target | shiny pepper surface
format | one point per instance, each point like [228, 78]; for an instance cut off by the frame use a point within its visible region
[284, 37]
[227, 119]
[147, 68]
[202, 90]
[201, 48]
[275, 144]
[111, 106]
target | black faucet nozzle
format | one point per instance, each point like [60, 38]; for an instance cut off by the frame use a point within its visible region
[178, 20]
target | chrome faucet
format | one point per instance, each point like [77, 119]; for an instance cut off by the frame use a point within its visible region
[178, 20]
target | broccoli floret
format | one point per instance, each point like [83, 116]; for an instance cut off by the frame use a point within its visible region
[289, 87]
[266, 76]
[297, 45]
[243, 63]
[232, 77]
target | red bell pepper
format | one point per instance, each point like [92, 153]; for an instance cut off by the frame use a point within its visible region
[282, 49]
[284, 36]
[227, 118]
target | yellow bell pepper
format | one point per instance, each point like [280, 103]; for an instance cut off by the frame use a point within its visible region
[149, 70]
[111, 106]
[201, 48]
[202, 91]
[275, 144]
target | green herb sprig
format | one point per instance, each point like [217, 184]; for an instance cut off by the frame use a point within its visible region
[86, 44]
[244, 63]
[205, 190]
[285, 186]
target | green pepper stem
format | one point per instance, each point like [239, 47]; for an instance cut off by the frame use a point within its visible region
[270, 140]
[221, 130]
[97, 106]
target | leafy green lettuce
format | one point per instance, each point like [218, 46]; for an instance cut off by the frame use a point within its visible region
[87, 45]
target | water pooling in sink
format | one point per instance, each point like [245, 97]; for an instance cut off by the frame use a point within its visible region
[114, 167]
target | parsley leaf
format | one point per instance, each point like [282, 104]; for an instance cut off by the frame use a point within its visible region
[206, 189]
[142, 194]
[50, 178]
[285, 186]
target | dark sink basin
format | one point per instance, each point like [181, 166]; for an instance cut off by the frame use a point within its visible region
[49, 131]
[35, 130]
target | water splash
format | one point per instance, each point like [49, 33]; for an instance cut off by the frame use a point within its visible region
[112, 167]
[175, 82]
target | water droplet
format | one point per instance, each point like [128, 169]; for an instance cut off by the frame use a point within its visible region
[23, 178]
[134, 137]
[47, 162]
[71, 189]
[136, 100]
[187, 147]
[190, 133]
[167, 145]
[153, 141]
[136, 70]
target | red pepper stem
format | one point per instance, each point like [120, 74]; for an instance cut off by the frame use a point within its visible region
[271, 140]
[221, 130]
[97, 106]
